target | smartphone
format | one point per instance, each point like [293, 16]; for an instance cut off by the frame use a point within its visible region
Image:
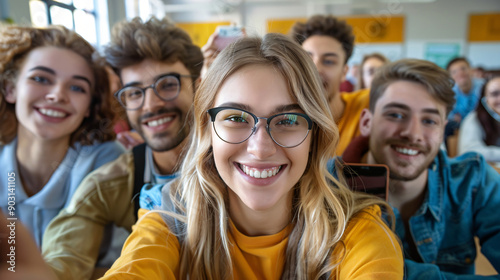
[369, 178]
[226, 35]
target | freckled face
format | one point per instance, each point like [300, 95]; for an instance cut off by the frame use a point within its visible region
[262, 91]
[52, 94]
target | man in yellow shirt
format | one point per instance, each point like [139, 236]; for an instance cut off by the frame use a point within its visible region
[330, 42]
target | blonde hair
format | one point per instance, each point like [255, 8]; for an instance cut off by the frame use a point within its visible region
[16, 42]
[322, 206]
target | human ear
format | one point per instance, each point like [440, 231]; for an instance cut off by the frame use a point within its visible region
[10, 93]
[365, 122]
[344, 71]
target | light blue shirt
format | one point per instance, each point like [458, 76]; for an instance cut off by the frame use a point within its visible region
[37, 211]
[466, 102]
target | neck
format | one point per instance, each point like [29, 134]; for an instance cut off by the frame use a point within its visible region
[168, 162]
[406, 195]
[258, 223]
[466, 87]
[337, 106]
[37, 159]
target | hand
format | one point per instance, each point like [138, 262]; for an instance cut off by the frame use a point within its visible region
[210, 52]
[129, 139]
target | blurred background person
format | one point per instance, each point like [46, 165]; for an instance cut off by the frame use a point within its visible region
[370, 64]
[480, 130]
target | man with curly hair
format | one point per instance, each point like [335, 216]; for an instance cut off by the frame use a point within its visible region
[159, 67]
[330, 42]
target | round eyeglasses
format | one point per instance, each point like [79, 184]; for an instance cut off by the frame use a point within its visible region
[166, 87]
[235, 126]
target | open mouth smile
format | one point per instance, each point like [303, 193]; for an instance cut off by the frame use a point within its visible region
[260, 173]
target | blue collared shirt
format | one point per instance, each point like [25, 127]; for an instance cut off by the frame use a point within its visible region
[463, 195]
[466, 102]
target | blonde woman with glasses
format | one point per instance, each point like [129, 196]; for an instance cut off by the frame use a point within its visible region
[255, 200]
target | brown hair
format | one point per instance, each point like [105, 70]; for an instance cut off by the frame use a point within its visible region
[326, 26]
[435, 79]
[16, 42]
[455, 60]
[160, 40]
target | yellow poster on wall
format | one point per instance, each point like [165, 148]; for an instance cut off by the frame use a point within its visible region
[484, 27]
[381, 29]
[200, 32]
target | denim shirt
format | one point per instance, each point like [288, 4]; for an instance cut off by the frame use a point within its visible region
[463, 195]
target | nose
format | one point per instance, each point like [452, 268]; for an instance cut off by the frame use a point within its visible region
[151, 100]
[412, 129]
[57, 94]
[260, 144]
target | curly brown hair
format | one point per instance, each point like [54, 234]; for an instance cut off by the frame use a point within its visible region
[160, 40]
[16, 42]
[326, 25]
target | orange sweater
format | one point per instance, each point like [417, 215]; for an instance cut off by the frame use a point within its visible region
[349, 122]
[371, 251]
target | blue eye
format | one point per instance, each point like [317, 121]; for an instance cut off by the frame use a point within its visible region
[395, 115]
[77, 89]
[40, 79]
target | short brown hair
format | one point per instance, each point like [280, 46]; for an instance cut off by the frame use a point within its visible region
[134, 41]
[326, 26]
[16, 42]
[455, 60]
[435, 79]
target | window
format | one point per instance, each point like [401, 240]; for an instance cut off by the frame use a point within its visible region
[78, 15]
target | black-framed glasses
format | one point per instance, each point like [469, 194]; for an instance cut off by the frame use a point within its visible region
[235, 126]
[166, 87]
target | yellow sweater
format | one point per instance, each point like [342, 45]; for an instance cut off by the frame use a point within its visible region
[151, 252]
[349, 122]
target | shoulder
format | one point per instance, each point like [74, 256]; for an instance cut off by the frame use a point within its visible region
[114, 177]
[467, 170]
[370, 247]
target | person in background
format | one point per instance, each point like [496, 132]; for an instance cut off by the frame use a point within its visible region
[56, 124]
[369, 64]
[467, 93]
[254, 199]
[159, 67]
[441, 204]
[480, 130]
[330, 42]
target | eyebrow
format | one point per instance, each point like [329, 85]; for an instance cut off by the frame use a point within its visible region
[406, 108]
[326, 54]
[137, 83]
[51, 71]
[277, 110]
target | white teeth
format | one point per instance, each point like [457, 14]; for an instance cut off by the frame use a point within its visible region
[52, 113]
[159, 121]
[407, 151]
[260, 174]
